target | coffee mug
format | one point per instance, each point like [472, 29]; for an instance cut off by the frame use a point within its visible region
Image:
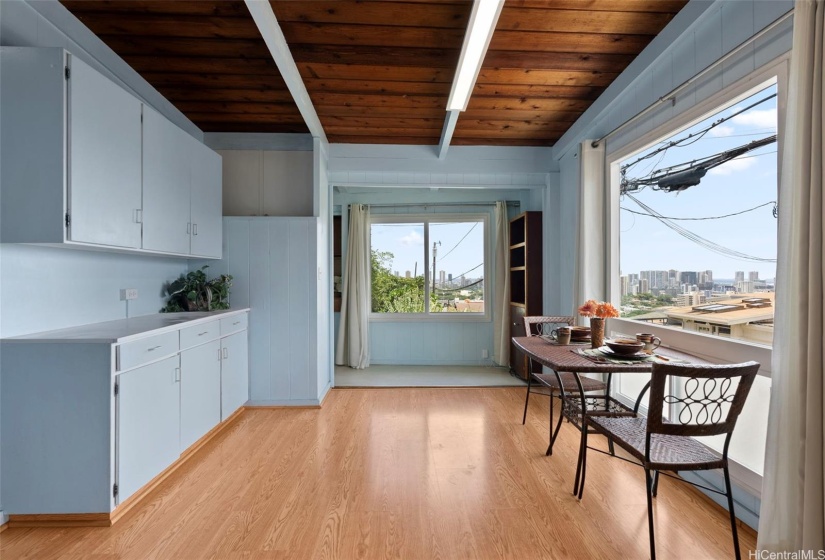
[650, 341]
[561, 335]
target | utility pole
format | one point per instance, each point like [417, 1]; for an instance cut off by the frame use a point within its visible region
[435, 249]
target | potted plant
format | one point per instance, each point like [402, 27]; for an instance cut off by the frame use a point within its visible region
[193, 292]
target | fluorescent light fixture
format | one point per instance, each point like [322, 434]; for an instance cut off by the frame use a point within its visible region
[479, 32]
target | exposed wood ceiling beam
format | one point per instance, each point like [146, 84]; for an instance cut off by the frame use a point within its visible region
[447, 133]
[267, 24]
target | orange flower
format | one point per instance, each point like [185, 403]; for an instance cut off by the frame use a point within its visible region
[606, 309]
[589, 308]
[593, 308]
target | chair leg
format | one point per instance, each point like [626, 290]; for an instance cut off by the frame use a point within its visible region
[527, 398]
[655, 483]
[649, 484]
[729, 494]
[610, 445]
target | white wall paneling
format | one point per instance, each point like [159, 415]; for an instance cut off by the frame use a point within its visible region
[275, 269]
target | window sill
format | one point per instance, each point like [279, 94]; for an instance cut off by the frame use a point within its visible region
[429, 318]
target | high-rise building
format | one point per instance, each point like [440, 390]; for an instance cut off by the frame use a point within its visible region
[739, 276]
[753, 276]
[450, 277]
[689, 278]
[442, 277]
[625, 285]
[644, 286]
[408, 274]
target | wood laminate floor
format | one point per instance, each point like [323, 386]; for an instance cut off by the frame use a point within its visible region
[396, 473]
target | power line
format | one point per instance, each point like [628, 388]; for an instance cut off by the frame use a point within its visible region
[657, 216]
[698, 134]
[459, 242]
[699, 240]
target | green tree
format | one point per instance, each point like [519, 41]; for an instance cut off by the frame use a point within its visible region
[393, 294]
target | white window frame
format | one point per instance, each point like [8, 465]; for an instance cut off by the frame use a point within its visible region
[712, 348]
[427, 315]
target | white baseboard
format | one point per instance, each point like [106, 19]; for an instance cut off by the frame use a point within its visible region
[283, 402]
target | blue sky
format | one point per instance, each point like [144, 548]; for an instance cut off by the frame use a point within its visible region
[454, 256]
[737, 185]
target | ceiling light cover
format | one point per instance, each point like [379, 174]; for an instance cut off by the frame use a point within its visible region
[479, 32]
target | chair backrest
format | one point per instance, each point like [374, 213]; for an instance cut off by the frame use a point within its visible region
[537, 325]
[708, 398]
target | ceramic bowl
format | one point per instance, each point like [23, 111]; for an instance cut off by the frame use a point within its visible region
[625, 346]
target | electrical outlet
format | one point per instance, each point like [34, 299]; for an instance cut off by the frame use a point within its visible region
[128, 293]
[484, 353]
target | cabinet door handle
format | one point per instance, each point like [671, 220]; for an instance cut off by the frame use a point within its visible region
[194, 229]
[236, 323]
[226, 353]
[203, 333]
[219, 354]
[152, 349]
[188, 227]
[138, 215]
[177, 375]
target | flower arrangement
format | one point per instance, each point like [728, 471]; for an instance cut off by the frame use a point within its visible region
[602, 309]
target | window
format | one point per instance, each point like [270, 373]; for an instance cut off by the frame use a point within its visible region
[698, 223]
[428, 266]
[705, 285]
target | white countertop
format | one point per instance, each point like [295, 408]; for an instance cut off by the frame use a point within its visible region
[124, 330]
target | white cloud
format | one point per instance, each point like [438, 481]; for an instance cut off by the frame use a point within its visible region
[412, 238]
[721, 130]
[757, 118]
[732, 166]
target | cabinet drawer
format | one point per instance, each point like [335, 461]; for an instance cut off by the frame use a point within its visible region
[132, 354]
[233, 324]
[199, 334]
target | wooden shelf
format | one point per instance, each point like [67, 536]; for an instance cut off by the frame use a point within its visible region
[525, 281]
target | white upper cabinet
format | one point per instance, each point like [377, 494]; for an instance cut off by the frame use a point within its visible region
[104, 188]
[207, 226]
[166, 185]
[79, 168]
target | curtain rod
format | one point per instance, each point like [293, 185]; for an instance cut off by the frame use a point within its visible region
[509, 203]
[671, 95]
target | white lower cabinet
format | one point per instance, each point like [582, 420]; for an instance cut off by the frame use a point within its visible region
[234, 373]
[148, 431]
[200, 392]
[90, 415]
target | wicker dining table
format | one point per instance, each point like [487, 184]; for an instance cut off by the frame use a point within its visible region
[575, 406]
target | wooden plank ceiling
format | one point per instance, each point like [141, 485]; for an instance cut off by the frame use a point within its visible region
[381, 71]
[205, 56]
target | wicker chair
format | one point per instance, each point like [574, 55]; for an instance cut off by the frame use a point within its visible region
[548, 383]
[710, 404]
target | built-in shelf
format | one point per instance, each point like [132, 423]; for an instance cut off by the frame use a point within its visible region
[525, 281]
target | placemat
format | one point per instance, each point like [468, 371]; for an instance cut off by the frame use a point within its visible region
[548, 339]
[597, 356]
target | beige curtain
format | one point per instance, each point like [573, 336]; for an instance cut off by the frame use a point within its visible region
[591, 246]
[501, 300]
[792, 517]
[353, 347]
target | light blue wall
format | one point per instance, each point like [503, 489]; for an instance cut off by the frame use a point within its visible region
[45, 288]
